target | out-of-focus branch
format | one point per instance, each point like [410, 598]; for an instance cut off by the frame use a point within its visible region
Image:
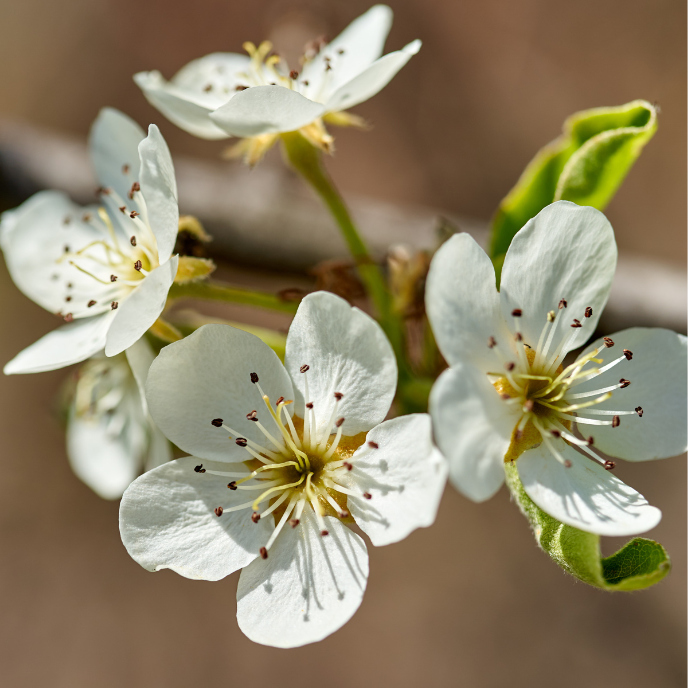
[266, 217]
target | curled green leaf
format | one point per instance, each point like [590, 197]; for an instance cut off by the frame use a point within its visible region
[586, 165]
[639, 564]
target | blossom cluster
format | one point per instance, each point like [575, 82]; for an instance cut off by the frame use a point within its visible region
[286, 462]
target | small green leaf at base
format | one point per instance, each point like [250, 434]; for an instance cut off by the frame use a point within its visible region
[639, 564]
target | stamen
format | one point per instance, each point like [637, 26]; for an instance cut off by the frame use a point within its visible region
[335, 443]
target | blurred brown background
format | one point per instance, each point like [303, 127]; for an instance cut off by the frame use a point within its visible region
[470, 602]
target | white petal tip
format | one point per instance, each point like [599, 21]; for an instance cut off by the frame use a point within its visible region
[413, 47]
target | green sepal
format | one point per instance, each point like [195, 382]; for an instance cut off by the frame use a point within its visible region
[639, 564]
[586, 165]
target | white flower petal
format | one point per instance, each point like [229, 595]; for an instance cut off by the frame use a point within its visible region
[167, 521]
[405, 476]
[473, 428]
[178, 107]
[140, 356]
[223, 72]
[159, 189]
[361, 44]
[308, 588]
[113, 143]
[33, 238]
[565, 252]
[463, 304]
[585, 495]
[106, 463]
[266, 110]
[347, 352]
[372, 80]
[62, 347]
[141, 308]
[207, 376]
[658, 374]
[159, 449]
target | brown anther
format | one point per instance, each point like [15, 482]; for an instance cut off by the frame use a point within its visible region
[305, 82]
[255, 517]
[232, 485]
[639, 410]
[563, 303]
[555, 433]
[240, 88]
[510, 366]
[132, 240]
[347, 465]
[125, 169]
[616, 421]
[518, 337]
[69, 285]
[304, 368]
[373, 445]
[199, 468]
[624, 383]
[68, 299]
[504, 396]
[590, 441]
[340, 51]
[567, 464]
[628, 354]
[588, 312]
[113, 278]
[217, 422]
[254, 378]
[263, 553]
[309, 405]
[133, 214]
[517, 312]
[69, 318]
[293, 522]
[134, 188]
[338, 396]
[218, 511]
[609, 343]
[367, 495]
[609, 465]
[339, 423]
[102, 190]
[86, 217]
[324, 532]
[576, 323]
[66, 248]
[491, 342]
[529, 405]
[90, 303]
[293, 74]
[208, 87]
[67, 220]
[138, 265]
[253, 415]
[344, 514]
[279, 401]
[123, 209]
[241, 441]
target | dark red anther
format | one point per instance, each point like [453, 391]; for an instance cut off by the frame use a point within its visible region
[624, 383]
[609, 343]
[241, 441]
[616, 421]
[609, 465]
[132, 240]
[373, 445]
[217, 422]
[199, 468]
[255, 517]
[218, 511]
[367, 495]
[517, 312]
[576, 323]
[254, 378]
[133, 214]
[567, 464]
[113, 278]
[125, 169]
[518, 337]
[304, 368]
[628, 354]
[309, 405]
[491, 342]
[69, 318]
[263, 553]
[279, 401]
[138, 265]
[339, 423]
[294, 522]
[347, 465]
[253, 415]
[338, 396]
[588, 312]
[555, 433]
[241, 88]
[510, 366]
[563, 303]
[232, 486]
[324, 532]
[590, 441]
[293, 74]
[90, 303]
[344, 514]
[639, 410]
[123, 209]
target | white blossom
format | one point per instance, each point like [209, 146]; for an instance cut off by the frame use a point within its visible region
[106, 269]
[111, 437]
[257, 96]
[509, 395]
[284, 458]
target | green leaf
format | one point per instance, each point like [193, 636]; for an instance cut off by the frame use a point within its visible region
[586, 165]
[639, 564]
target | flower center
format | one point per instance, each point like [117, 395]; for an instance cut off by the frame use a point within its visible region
[542, 389]
[298, 466]
[115, 263]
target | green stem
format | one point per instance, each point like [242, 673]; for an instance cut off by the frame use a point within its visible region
[216, 291]
[305, 159]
